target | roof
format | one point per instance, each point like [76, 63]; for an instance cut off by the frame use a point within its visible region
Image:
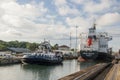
[64, 46]
[19, 50]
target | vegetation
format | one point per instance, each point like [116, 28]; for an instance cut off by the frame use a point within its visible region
[4, 45]
[55, 47]
[22, 44]
[17, 44]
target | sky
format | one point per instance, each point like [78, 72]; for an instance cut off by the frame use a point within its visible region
[54, 20]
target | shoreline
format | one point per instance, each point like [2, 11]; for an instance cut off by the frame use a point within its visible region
[7, 61]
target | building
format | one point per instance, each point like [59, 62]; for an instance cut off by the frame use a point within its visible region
[64, 48]
[18, 50]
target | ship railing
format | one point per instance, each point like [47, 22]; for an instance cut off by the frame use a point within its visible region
[49, 57]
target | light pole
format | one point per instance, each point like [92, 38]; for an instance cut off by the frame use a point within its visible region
[76, 40]
[70, 40]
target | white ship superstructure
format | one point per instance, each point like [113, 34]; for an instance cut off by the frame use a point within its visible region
[94, 43]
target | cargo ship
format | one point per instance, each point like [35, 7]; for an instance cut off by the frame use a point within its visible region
[43, 56]
[94, 46]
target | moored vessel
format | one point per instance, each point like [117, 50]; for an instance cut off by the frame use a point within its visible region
[43, 56]
[94, 46]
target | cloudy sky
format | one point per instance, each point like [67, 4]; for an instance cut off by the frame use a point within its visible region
[34, 20]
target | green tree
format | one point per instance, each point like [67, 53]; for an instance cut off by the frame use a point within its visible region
[2, 47]
[55, 47]
[32, 46]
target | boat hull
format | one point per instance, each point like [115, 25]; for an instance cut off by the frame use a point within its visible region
[105, 57]
[41, 61]
[88, 54]
[94, 55]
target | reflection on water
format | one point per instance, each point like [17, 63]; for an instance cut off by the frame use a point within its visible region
[40, 72]
[86, 64]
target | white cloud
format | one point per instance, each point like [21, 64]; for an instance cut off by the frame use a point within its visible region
[109, 19]
[100, 6]
[79, 21]
[78, 1]
[41, 8]
[93, 7]
[115, 30]
[16, 21]
[64, 9]
[60, 2]
[6, 1]
[27, 10]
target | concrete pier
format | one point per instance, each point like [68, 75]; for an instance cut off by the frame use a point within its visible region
[114, 73]
[5, 61]
[102, 71]
[89, 73]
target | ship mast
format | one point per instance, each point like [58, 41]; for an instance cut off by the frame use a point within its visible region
[94, 26]
[76, 40]
[70, 41]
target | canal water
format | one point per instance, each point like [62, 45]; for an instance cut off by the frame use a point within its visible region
[40, 72]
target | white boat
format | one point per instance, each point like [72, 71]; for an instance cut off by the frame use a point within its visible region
[43, 56]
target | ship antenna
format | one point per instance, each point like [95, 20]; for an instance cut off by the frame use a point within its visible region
[94, 26]
[94, 23]
[70, 40]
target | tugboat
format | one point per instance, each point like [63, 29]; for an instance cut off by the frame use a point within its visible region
[95, 46]
[43, 56]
